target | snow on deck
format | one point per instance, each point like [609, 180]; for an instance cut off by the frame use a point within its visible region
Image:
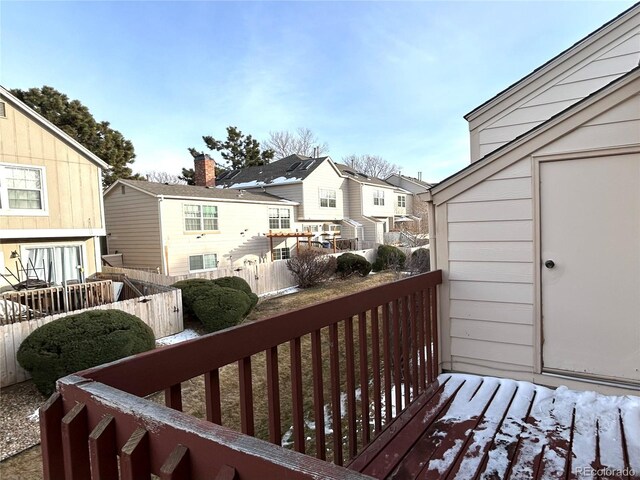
[482, 427]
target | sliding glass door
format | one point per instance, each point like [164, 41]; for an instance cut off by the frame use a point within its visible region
[56, 264]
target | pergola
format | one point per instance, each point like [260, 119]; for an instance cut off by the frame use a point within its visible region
[297, 235]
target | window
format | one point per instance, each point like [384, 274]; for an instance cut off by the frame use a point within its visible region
[200, 217]
[279, 218]
[378, 197]
[402, 201]
[3, 110]
[22, 189]
[327, 198]
[56, 265]
[206, 261]
[281, 253]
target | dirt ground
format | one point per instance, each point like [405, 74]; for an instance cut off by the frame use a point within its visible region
[27, 464]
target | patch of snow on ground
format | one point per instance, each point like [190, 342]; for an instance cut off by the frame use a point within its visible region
[186, 334]
[35, 416]
[279, 293]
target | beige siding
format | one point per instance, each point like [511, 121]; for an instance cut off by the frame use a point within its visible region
[71, 179]
[241, 234]
[133, 227]
[615, 53]
[291, 192]
[490, 270]
[371, 210]
[323, 177]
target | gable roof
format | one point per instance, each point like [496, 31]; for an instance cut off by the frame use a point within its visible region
[291, 169]
[350, 172]
[419, 182]
[618, 83]
[579, 45]
[46, 124]
[192, 191]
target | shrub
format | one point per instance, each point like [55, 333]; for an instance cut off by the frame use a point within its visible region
[350, 263]
[221, 307]
[389, 257]
[191, 290]
[310, 267]
[236, 283]
[81, 341]
[420, 261]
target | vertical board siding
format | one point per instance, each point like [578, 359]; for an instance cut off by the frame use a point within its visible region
[161, 311]
[490, 269]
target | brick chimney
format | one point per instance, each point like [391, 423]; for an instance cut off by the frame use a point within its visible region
[205, 168]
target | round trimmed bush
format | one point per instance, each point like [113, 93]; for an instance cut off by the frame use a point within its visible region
[81, 341]
[221, 307]
[350, 263]
[236, 283]
[191, 290]
[389, 257]
[420, 261]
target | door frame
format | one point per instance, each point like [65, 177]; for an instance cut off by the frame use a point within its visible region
[538, 363]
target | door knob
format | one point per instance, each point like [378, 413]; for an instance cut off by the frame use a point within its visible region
[549, 264]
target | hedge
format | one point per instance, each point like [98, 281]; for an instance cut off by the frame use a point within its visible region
[350, 263]
[389, 257]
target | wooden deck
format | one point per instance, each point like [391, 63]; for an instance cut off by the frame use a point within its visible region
[471, 427]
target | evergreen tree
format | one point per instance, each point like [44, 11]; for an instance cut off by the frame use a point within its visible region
[238, 150]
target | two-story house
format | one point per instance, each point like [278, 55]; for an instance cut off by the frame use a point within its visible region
[51, 212]
[180, 229]
[538, 238]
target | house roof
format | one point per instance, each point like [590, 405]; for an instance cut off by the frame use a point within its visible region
[291, 169]
[422, 183]
[360, 177]
[557, 118]
[547, 65]
[33, 115]
[193, 191]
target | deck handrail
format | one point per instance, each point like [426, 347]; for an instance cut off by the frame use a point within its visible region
[393, 358]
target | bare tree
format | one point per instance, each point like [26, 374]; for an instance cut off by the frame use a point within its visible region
[301, 142]
[372, 165]
[163, 177]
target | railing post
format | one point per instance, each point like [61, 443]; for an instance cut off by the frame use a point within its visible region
[51, 413]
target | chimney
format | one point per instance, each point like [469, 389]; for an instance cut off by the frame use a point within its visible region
[419, 175]
[205, 168]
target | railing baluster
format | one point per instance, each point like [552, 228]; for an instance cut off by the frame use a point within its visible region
[51, 414]
[421, 342]
[134, 459]
[273, 394]
[406, 355]
[428, 334]
[103, 451]
[212, 396]
[375, 370]
[433, 320]
[364, 377]
[413, 302]
[386, 347]
[397, 356]
[246, 396]
[351, 387]
[296, 395]
[318, 393]
[173, 397]
[177, 466]
[336, 414]
[74, 443]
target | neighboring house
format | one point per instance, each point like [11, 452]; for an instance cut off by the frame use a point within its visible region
[51, 213]
[412, 184]
[334, 201]
[180, 229]
[538, 239]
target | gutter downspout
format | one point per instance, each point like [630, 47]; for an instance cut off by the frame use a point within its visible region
[162, 245]
[431, 219]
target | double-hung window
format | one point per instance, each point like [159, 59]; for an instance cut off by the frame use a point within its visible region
[279, 218]
[402, 201]
[378, 197]
[206, 261]
[327, 198]
[22, 189]
[200, 217]
[281, 253]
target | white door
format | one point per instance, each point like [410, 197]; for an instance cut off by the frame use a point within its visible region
[590, 272]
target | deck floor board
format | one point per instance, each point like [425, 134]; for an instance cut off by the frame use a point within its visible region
[471, 427]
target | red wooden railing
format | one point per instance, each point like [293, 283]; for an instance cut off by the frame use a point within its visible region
[368, 355]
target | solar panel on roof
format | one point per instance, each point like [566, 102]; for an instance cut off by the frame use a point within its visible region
[308, 164]
[233, 174]
[223, 175]
[294, 166]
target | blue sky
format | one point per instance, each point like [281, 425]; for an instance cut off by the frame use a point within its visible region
[385, 78]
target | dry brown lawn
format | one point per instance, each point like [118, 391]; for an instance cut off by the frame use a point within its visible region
[27, 465]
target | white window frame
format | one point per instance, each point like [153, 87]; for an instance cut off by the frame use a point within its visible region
[204, 268]
[3, 109]
[329, 196]
[4, 193]
[277, 253]
[378, 198]
[279, 218]
[30, 246]
[201, 218]
[402, 201]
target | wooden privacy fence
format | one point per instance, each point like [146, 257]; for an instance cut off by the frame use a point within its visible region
[332, 375]
[161, 311]
[17, 306]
